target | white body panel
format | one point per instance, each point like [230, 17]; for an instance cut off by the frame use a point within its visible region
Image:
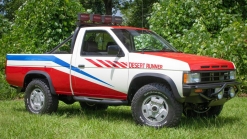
[102, 76]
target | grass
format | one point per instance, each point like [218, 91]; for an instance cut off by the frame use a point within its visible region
[70, 122]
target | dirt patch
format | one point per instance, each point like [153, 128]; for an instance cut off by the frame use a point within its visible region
[242, 95]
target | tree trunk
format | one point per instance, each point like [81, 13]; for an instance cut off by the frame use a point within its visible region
[108, 6]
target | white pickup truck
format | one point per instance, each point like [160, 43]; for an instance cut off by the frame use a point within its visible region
[109, 64]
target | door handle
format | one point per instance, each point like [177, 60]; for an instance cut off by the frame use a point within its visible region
[81, 66]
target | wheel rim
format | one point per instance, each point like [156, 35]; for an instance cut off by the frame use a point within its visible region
[154, 108]
[37, 99]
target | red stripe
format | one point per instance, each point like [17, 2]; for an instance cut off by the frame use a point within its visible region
[91, 89]
[124, 63]
[93, 62]
[60, 80]
[126, 27]
[113, 64]
[118, 63]
[102, 62]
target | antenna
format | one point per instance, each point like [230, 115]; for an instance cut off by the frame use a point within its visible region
[142, 13]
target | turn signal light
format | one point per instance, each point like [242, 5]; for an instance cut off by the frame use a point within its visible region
[198, 90]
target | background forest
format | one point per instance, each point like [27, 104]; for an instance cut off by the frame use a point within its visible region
[216, 28]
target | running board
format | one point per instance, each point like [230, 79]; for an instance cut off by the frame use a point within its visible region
[101, 101]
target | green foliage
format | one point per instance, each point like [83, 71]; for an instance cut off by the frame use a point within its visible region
[6, 92]
[204, 27]
[96, 6]
[38, 27]
[41, 25]
[4, 25]
[107, 7]
[9, 8]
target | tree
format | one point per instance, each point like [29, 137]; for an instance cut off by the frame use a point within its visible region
[41, 25]
[97, 6]
[4, 26]
[107, 7]
[9, 7]
[136, 12]
[37, 28]
[205, 27]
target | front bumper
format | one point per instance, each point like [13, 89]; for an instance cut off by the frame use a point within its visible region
[208, 91]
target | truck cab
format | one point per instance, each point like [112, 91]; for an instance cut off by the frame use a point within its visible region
[107, 64]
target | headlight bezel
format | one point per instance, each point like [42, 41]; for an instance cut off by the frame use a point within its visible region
[232, 75]
[191, 77]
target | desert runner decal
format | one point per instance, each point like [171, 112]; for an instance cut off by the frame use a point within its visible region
[145, 65]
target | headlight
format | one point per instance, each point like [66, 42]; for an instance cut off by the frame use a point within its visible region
[191, 78]
[232, 75]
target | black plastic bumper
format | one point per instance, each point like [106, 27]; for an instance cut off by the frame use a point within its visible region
[208, 95]
[189, 89]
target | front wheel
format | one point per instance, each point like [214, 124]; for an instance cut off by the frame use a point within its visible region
[154, 105]
[38, 98]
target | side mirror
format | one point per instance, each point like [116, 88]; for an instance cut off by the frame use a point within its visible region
[115, 50]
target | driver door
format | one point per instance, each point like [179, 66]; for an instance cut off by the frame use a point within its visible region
[99, 74]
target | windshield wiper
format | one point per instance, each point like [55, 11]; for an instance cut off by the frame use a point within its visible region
[170, 50]
[145, 48]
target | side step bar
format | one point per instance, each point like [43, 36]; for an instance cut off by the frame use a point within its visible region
[101, 101]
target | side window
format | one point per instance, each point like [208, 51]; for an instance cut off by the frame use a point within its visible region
[97, 43]
[126, 38]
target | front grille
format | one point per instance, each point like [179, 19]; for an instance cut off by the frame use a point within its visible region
[219, 76]
[214, 66]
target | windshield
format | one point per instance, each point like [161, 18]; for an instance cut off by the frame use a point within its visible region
[142, 40]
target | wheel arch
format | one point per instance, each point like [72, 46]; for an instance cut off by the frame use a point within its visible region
[38, 74]
[142, 79]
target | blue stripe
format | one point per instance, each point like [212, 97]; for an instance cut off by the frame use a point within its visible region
[53, 59]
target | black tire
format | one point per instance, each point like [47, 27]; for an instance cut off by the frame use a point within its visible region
[154, 105]
[38, 98]
[93, 106]
[209, 112]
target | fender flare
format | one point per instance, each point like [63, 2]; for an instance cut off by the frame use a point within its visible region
[47, 76]
[167, 79]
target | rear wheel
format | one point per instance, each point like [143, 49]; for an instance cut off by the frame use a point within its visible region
[93, 106]
[202, 111]
[38, 98]
[154, 105]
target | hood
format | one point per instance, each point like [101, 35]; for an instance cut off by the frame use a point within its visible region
[197, 62]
